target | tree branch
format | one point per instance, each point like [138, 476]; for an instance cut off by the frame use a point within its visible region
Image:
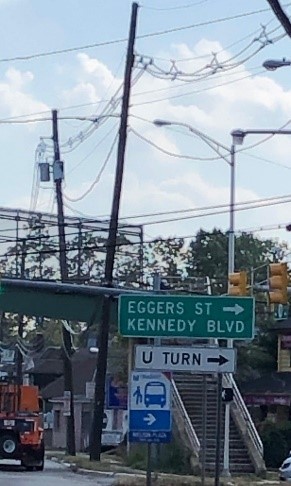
[281, 16]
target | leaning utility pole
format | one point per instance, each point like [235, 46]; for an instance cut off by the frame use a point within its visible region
[58, 174]
[100, 375]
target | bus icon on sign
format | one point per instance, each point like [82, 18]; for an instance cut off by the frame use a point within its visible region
[155, 394]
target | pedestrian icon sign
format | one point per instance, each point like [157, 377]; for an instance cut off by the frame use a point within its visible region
[137, 395]
[150, 417]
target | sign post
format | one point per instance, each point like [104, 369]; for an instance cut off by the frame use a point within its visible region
[174, 316]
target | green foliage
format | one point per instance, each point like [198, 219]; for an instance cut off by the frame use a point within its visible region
[171, 459]
[276, 439]
[205, 255]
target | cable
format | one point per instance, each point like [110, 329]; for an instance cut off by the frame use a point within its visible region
[148, 63]
[149, 223]
[93, 150]
[243, 149]
[171, 154]
[180, 7]
[205, 208]
[143, 36]
[202, 90]
[97, 179]
[103, 246]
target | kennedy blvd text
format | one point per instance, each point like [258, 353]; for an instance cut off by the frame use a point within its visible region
[186, 316]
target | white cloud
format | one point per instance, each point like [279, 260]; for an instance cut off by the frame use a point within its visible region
[15, 100]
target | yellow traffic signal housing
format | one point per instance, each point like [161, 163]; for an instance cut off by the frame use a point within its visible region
[278, 283]
[237, 283]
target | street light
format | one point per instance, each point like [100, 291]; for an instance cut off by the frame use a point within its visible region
[273, 64]
[231, 240]
[231, 162]
[238, 136]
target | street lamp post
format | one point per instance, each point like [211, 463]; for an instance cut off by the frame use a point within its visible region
[238, 136]
[231, 245]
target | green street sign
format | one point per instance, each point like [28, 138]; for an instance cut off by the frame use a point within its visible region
[186, 316]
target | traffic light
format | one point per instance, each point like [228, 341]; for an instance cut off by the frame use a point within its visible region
[237, 283]
[278, 283]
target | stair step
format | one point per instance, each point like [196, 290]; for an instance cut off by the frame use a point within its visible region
[190, 387]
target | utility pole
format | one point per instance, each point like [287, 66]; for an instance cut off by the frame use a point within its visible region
[58, 174]
[20, 318]
[100, 375]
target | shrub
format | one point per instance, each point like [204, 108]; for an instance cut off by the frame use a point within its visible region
[277, 442]
[171, 459]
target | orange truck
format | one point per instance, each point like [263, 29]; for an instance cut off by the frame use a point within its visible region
[21, 431]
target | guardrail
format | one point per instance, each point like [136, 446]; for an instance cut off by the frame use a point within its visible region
[241, 406]
[184, 418]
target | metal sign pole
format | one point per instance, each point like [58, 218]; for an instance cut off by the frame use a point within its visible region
[204, 423]
[218, 429]
[149, 465]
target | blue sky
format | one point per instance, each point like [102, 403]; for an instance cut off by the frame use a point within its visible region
[243, 95]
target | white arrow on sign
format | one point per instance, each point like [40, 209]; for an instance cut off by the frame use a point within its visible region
[237, 309]
[150, 419]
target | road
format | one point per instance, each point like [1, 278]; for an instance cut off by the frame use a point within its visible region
[53, 474]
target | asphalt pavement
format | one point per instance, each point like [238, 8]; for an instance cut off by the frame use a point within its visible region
[54, 474]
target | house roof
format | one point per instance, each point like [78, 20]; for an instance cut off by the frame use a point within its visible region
[271, 383]
[49, 363]
[83, 364]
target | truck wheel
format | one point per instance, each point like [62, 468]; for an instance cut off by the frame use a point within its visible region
[40, 467]
[8, 445]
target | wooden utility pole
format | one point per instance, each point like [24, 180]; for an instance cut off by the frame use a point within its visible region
[58, 174]
[102, 343]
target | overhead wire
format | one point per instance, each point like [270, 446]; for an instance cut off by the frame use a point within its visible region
[197, 91]
[227, 47]
[172, 154]
[200, 135]
[180, 7]
[103, 246]
[97, 178]
[204, 208]
[141, 36]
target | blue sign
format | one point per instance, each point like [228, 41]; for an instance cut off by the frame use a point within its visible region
[116, 394]
[150, 417]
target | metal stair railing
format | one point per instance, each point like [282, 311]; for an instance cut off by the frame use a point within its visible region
[185, 420]
[244, 413]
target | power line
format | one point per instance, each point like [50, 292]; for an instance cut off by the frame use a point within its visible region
[103, 246]
[172, 154]
[202, 90]
[143, 36]
[97, 179]
[205, 208]
[212, 213]
[180, 7]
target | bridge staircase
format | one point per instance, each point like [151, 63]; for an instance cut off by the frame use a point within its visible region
[245, 451]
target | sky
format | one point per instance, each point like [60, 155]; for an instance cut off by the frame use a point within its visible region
[198, 63]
